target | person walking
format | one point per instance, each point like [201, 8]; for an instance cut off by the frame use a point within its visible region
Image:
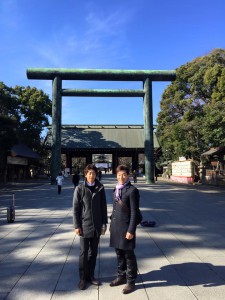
[89, 219]
[99, 174]
[59, 180]
[134, 174]
[123, 229]
[75, 179]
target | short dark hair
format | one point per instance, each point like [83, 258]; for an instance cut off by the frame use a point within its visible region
[90, 167]
[123, 168]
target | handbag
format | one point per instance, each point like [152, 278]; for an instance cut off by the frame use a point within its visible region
[139, 216]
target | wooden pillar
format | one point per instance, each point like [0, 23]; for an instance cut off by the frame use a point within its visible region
[88, 158]
[148, 132]
[69, 160]
[135, 160]
[114, 162]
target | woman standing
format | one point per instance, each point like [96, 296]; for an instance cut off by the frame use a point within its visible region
[123, 228]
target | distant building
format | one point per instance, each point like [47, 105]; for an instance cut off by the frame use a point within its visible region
[20, 162]
[84, 141]
[213, 171]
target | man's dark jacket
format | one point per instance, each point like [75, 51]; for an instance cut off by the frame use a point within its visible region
[122, 222]
[89, 210]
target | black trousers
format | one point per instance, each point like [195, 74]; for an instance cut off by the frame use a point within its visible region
[59, 189]
[88, 256]
[126, 265]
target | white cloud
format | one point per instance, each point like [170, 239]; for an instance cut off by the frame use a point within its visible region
[110, 25]
[102, 42]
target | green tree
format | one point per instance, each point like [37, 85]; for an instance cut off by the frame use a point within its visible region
[8, 125]
[192, 108]
[7, 139]
[34, 109]
[24, 114]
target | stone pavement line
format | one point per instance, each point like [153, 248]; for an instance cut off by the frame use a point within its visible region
[183, 257]
[11, 259]
[30, 262]
[188, 255]
[158, 277]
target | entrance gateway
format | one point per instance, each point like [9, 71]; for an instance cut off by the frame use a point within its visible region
[57, 75]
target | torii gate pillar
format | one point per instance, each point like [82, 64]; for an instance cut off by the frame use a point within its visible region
[56, 128]
[148, 132]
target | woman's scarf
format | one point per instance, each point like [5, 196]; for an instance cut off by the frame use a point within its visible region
[119, 188]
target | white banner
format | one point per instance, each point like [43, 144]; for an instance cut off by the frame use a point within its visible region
[102, 165]
[183, 168]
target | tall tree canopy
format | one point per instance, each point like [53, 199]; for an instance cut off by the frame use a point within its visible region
[33, 109]
[192, 108]
[29, 108]
[24, 113]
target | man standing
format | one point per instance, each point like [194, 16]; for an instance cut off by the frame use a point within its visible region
[89, 219]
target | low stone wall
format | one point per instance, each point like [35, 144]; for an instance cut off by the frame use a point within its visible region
[213, 177]
[182, 179]
[182, 171]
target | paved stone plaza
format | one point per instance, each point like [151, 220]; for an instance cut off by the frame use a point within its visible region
[183, 257]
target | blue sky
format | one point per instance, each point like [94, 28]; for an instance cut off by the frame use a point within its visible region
[100, 34]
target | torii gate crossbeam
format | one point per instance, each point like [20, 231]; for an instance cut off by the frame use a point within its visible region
[57, 75]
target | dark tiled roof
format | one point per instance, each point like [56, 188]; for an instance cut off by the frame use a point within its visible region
[23, 151]
[214, 151]
[103, 136]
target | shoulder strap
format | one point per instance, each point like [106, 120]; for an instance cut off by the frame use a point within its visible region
[124, 206]
[82, 191]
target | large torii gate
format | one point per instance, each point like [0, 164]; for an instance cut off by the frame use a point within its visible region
[57, 75]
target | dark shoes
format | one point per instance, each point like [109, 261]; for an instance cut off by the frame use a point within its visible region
[94, 281]
[129, 288]
[82, 285]
[118, 281]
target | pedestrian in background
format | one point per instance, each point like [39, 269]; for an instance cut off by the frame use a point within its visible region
[59, 180]
[123, 229]
[89, 219]
[134, 174]
[75, 179]
[99, 174]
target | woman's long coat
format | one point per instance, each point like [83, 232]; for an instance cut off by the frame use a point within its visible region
[121, 221]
